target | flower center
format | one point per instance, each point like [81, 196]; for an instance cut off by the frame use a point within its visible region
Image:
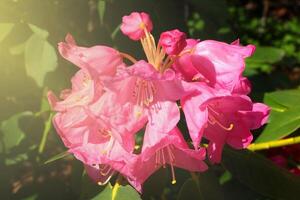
[165, 156]
[214, 119]
[144, 92]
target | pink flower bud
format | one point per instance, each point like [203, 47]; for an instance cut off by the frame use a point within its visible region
[134, 24]
[173, 41]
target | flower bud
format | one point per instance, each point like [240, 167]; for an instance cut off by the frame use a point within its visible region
[134, 24]
[173, 42]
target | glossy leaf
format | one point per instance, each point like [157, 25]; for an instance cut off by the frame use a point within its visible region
[285, 115]
[266, 55]
[261, 174]
[280, 124]
[40, 58]
[5, 29]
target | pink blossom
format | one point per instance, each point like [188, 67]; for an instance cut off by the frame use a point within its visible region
[161, 149]
[101, 59]
[218, 64]
[152, 94]
[222, 118]
[84, 91]
[173, 42]
[135, 25]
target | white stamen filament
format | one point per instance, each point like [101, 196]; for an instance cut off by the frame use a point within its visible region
[165, 156]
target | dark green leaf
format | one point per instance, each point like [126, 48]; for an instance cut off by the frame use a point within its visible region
[261, 175]
[209, 186]
[40, 58]
[190, 190]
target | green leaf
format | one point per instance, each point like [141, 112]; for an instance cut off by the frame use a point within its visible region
[123, 193]
[115, 32]
[101, 10]
[209, 186]
[266, 55]
[226, 176]
[127, 193]
[288, 98]
[5, 29]
[12, 134]
[57, 157]
[260, 174]
[105, 194]
[40, 58]
[18, 49]
[38, 31]
[190, 190]
[280, 124]
[285, 115]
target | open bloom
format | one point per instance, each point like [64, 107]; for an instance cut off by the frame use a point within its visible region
[101, 59]
[218, 64]
[166, 148]
[135, 24]
[222, 118]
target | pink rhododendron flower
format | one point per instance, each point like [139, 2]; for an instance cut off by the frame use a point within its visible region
[161, 149]
[101, 59]
[154, 93]
[173, 42]
[134, 24]
[109, 103]
[218, 64]
[222, 118]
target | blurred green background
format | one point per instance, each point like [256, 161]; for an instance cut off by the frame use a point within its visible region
[30, 66]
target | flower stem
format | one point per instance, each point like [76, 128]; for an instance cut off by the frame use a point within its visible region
[273, 144]
[116, 187]
[45, 134]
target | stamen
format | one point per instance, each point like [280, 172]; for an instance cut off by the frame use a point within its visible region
[212, 120]
[157, 158]
[173, 174]
[172, 159]
[105, 171]
[144, 92]
[163, 157]
[104, 133]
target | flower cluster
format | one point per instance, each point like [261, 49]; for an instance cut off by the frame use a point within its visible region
[111, 103]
